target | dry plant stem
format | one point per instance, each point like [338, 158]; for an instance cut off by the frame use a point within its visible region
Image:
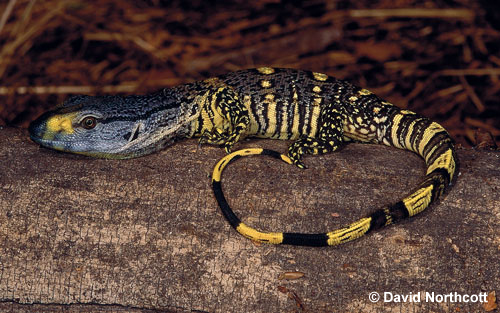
[472, 95]
[416, 13]
[6, 13]
[479, 124]
[453, 72]
[10, 48]
[133, 87]
[141, 43]
[68, 89]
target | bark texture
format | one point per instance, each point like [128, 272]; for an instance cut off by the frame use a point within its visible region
[83, 234]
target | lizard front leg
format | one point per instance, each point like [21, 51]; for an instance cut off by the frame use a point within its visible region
[229, 118]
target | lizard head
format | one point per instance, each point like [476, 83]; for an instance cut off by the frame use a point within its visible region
[108, 126]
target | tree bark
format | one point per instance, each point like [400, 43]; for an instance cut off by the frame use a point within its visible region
[146, 234]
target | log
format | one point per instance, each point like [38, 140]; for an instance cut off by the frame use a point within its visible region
[79, 234]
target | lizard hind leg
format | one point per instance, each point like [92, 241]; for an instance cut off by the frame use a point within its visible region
[310, 145]
[329, 139]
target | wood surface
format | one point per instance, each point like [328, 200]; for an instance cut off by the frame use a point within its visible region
[145, 235]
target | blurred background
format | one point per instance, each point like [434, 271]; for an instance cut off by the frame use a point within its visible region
[439, 58]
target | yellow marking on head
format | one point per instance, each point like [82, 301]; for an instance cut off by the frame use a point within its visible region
[317, 101]
[61, 123]
[365, 92]
[317, 89]
[265, 84]
[266, 70]
[320, 76]
[253, 234]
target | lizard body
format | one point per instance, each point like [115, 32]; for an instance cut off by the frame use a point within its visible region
[317, 111]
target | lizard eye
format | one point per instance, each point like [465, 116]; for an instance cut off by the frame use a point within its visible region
[89, 122]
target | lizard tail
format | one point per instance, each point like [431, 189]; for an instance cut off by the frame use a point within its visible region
[435, 146]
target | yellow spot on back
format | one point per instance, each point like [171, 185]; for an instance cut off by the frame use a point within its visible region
[320, 76]
[365, 92]
[265, 84]
[265, 70]
[212, 81]
[406, 112]
[317, 89]
[269, 96]
[353, 98]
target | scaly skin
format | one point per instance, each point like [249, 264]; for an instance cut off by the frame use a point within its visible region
[318, 112]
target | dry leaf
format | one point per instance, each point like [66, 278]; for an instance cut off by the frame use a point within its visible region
[290, 275]
[491, 302]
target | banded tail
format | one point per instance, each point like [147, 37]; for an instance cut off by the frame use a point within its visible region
[428, 139]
